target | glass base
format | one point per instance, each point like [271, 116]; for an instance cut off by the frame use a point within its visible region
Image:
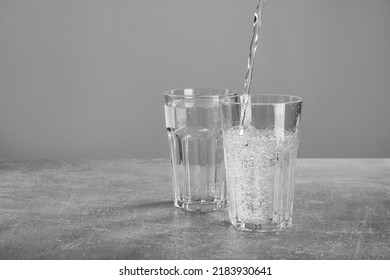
[264, 227]
[203, 207]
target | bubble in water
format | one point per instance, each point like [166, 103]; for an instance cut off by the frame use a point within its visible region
[257, 165]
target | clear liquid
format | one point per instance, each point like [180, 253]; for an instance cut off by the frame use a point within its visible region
[260, 172]
[195, 139]
[251, 59]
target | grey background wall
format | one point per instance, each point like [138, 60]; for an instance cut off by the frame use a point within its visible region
[84, 78]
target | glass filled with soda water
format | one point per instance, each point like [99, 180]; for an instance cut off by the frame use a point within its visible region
[261, 138]
[193, 125]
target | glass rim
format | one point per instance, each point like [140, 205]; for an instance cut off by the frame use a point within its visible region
[290, 99]
[180, 92]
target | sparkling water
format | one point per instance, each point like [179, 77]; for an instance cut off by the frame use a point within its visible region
[260, 166]
[195, 139]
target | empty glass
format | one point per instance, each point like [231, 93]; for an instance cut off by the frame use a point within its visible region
[195, 138]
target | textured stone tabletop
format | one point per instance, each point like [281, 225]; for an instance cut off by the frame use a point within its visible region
[123, 209]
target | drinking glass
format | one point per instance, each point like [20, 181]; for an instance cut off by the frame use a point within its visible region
[260, 156]
[193, 124]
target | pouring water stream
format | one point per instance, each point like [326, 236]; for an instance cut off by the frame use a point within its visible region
[245, 117]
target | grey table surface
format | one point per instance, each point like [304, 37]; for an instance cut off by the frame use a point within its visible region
[123, 209]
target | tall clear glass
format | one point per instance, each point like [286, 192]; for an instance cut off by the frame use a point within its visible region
[260, 157]
[193, 124]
